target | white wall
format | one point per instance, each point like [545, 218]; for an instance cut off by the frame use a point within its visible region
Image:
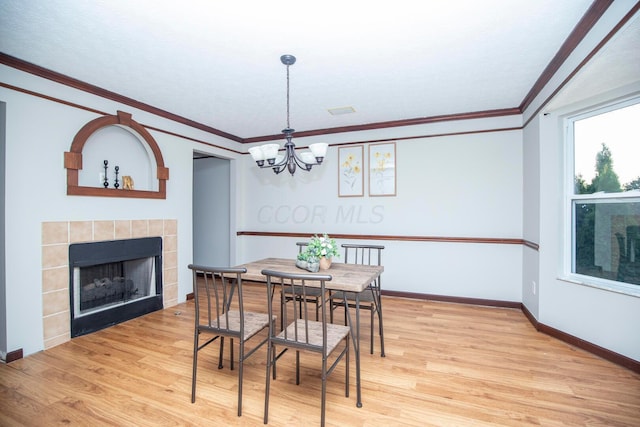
[39, 131]
[531, 217]
[448, 186]
[602, 317]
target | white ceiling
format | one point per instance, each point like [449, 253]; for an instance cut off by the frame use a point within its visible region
[217, 62]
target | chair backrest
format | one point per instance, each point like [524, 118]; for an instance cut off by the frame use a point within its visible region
[302, 246]
[362, 254]
[296, 324]
[217, 290]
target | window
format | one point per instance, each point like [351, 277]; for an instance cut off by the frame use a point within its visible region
[604, 195]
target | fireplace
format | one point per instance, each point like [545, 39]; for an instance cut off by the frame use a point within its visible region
[113, 281]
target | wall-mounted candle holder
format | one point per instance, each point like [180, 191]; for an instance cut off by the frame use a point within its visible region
[116, 184]
[106, 180]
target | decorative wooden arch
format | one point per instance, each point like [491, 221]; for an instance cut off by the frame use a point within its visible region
[73, 160]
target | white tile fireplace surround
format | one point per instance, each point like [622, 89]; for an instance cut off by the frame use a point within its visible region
[56, 238]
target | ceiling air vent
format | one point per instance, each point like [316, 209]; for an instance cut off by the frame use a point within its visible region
[341, 110]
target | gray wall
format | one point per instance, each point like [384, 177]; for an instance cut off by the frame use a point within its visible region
[211, 207]
[3, 283]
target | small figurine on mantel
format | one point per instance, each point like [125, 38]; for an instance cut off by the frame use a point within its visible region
[127, 182]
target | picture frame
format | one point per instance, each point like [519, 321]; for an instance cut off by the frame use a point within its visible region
[382, 169]
[351, 171]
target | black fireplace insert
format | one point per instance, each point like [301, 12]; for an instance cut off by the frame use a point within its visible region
[113, 281]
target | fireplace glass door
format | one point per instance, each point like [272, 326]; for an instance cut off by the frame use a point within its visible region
[106, 285]
[113, 281]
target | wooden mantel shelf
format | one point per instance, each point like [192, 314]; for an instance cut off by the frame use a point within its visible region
[112, 192]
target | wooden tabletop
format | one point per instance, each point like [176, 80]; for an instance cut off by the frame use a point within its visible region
[344, 277]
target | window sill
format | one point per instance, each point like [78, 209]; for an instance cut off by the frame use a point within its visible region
[605, 285]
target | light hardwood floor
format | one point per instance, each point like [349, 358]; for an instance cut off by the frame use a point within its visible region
[446, 365]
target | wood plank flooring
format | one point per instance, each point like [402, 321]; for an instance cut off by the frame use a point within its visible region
[446, 365]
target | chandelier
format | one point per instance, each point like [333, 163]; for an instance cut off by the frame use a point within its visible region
[266, 156]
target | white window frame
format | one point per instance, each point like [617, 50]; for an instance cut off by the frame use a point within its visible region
[570, 197]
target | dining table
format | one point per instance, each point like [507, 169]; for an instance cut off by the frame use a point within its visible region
[344, 277]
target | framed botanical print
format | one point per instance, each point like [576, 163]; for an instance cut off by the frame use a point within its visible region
[382, 169]
[351, 171]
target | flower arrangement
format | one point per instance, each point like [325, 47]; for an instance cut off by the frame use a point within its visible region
[322, 246]
[318, 254]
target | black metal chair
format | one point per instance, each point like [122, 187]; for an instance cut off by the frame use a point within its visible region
[219, 312]
[304, 334]
[370, 298]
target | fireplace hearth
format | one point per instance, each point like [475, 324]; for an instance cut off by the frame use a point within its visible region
[113, 281]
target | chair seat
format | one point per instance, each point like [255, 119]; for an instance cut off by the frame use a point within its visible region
[335, 334]
[365, 296]
[253, 322]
